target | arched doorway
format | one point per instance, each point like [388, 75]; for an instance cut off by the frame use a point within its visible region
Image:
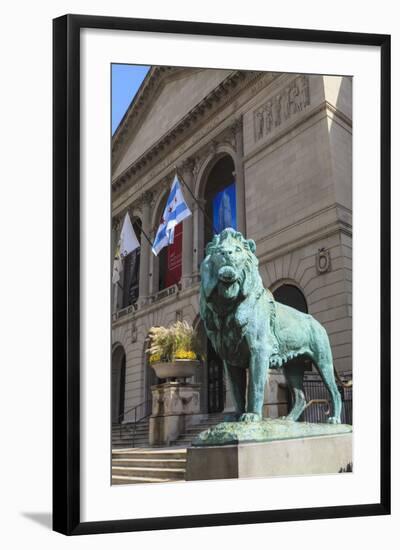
[210, 376]
[290, 295]
[220, 210]
[118, 384]
[215, 381]
[220, 198]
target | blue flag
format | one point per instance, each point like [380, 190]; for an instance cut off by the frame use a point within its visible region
[176, 210]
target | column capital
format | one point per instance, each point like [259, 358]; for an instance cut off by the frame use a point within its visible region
[234, 132]
[116, 223]
[237, 125]
[212, 147]
[147, 198]
[189, 164]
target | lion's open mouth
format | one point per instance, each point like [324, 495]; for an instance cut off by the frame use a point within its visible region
[227, 275]
[228, 287]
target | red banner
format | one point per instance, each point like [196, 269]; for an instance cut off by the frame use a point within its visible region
[174, 258]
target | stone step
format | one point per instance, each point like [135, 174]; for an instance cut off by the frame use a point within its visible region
[159, 473]
[150, 462]
[125, 445]
[123, 437]
[128, 480]
[129, 427]
[130, 439]
[146, 453]
[123, 431]
[130, 434]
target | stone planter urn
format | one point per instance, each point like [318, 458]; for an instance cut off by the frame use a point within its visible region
[176, 402]
[179, 368]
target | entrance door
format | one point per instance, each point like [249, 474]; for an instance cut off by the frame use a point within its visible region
[215, 371]
[290, 295]
[118, 385]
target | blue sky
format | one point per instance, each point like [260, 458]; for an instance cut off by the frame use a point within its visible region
[125, 82]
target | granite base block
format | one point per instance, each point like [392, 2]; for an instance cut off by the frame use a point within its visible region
[301, 456]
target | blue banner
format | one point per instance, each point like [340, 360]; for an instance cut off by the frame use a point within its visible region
[224, 208]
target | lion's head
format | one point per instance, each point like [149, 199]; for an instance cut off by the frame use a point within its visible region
[230, 269]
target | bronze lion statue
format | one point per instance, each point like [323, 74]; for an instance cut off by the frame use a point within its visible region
[250, 330]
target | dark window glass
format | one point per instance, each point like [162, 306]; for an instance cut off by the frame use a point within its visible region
[291, 296]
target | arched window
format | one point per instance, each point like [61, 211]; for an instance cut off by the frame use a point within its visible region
[132, 270]
[291, 296]
[220, 198]
[118, 384]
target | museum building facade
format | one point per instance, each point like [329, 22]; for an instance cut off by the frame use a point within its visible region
[269, 154]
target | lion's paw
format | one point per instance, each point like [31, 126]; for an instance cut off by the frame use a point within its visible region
[250, 417]
[333, 420]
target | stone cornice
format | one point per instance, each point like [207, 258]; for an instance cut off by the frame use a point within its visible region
[190, 165]
[222, 93]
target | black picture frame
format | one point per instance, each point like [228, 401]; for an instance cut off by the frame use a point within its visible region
[66, 272]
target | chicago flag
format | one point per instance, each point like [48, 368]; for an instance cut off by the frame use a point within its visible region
[176, 210]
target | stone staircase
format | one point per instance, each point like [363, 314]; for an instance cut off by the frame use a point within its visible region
[148, 465]
[143, 464]
[123, 438]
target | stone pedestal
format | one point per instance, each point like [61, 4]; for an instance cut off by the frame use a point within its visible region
[305, 456]
[175, 407]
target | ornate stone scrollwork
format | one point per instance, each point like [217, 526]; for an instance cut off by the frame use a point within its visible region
[323, 261]
[291, 100]
[233, 132]
[187, 166]
[198, 161]
[116, 224]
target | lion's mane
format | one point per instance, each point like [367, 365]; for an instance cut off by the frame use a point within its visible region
[235, 320]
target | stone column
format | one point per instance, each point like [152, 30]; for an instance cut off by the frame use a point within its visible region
[116, 290]
[237, 130]
[186, 171]
[145, 250]
[154, 266]
[198, 236]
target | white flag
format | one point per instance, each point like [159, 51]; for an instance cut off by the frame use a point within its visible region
[128, 240]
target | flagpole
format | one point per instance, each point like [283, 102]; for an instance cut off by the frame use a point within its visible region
[141, 230]
[197, 202]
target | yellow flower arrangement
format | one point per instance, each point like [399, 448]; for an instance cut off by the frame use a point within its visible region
[185, 354]
[178, 341]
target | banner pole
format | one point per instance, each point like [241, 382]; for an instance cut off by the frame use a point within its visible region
[196, 201]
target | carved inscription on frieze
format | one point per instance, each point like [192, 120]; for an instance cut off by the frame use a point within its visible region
[291, 100]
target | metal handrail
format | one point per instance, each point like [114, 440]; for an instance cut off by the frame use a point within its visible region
[341, 382]
[136, 419]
